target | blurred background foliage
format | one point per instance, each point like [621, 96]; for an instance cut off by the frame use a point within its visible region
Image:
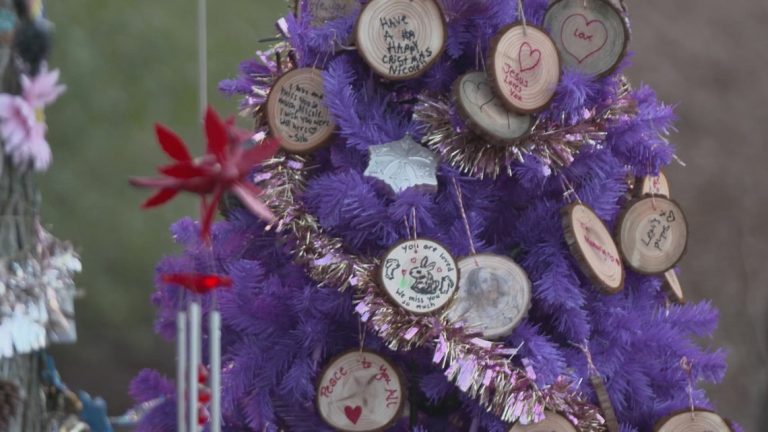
[129, 64]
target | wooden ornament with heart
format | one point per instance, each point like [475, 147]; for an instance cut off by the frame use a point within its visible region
[552, 422]
[525, 68]
[484, 112]
[652, 234]
[591, 35]
[400, 39]
[360, 391]
[593, 247]
[693, 421]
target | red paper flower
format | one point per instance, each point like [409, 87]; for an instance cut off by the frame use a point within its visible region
[198, 283]
[223, 168]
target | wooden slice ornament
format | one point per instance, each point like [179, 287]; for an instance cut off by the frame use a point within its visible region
[653, 185]
[552, 422]
[591, 35]
[296, 111]
[525, 68]
[360, 391]
[484, 112]
[652, 234]
[323, 11]
[671, 285]
[493, 297]
[400, 39]
[593, 246]
[604, 400]
[696, 421]
[419, 275]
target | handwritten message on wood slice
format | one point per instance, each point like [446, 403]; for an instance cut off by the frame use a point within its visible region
[400, 39]
[594, 248]
[525, 68]
[652, 234]
[696, 421]
[419, 275]
[605, 403]
[494, 295]
[673, 288]
[323, 11]
[296, 111]
[653, 185]
[484, 112]
[360, 391]
[553, 422]
[590, 34]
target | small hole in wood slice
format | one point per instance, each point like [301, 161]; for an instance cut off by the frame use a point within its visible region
[400, 39]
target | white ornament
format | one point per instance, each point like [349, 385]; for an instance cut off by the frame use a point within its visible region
[403, 164]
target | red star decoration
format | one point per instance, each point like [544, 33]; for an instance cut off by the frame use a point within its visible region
[223, 168]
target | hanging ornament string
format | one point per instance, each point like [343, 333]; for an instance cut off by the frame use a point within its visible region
[521, 16]
[464, 218]
[687, 366]
[598, 384]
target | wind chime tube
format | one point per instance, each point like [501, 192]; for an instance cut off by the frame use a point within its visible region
[215, 346]
[181, 370]
[194, 364]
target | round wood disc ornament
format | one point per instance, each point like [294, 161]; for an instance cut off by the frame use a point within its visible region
[296, 111]
[671, 284]
[653, 185]
[400, 39]
[323, 11]
[693, 421]
[484, 113]
[419, 275]
[494, 295]
[593, 246]
[591, 35]
[360, 391]
[652, 235]
[525, 68]
[552, 422]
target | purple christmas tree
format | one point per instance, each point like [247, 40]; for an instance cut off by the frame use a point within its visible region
[306, 287]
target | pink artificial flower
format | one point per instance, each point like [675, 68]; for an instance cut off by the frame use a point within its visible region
[43, 89]
[22, 122]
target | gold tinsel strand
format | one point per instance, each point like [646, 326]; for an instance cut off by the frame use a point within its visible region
[473, 155]
[481, 368]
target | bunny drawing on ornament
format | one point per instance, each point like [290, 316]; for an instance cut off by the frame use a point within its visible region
[424, 281]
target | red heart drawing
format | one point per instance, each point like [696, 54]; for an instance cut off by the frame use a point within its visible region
[528, 57]
[353, 414]
[583, 38]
